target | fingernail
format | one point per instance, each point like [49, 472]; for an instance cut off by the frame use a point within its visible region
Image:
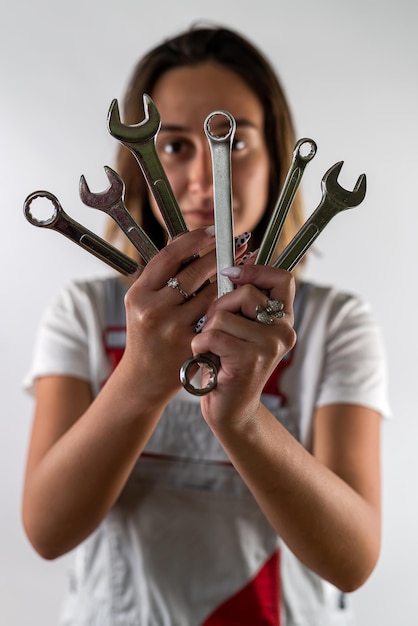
[241, 240]
[245, 258]
[200, 324]
[232, 272]
[210, 230]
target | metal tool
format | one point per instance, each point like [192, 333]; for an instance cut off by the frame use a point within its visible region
[140, 140]
[62, 223]
[220, 147]
[112, 203]
[334, 199]
[300, 159]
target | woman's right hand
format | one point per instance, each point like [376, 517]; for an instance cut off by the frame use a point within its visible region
[161, 320]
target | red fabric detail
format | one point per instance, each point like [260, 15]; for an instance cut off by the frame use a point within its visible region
[272, 385]
[256, 604]
[115, 352]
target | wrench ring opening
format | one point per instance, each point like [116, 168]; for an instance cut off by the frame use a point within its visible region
[306, 149]
[211, 135]
[202, 361]
[41, 194]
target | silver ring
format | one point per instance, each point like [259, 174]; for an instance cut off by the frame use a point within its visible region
[273, 310]
[174, 284]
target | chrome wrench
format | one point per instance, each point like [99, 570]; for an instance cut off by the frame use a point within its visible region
[334, 200]
[220, 147]
[140, 140]
[112, 203]
[291, 184]
[62, 223]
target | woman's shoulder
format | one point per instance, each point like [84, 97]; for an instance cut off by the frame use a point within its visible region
[331, 308]
[331, 298]
[91, 290]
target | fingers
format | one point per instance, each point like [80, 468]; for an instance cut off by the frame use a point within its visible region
[258, 285]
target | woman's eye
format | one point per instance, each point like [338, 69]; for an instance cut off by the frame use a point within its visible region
[174, 147]
[238, 144]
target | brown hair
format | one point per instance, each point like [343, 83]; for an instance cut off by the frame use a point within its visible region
[229, 49]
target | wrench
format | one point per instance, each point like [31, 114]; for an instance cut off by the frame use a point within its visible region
[334, 199]
[65, 225]
[220, 147]
[287, 194]
[112, 203]
[140, 140]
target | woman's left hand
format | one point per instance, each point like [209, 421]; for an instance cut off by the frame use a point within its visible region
[249, 350]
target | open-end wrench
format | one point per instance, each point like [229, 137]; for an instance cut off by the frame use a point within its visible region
[62, 223]
[334, 199]
[220, 147]
[294, 176]
[140, 140]
[112, 203]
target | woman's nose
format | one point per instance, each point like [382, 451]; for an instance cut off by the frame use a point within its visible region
[200, 172]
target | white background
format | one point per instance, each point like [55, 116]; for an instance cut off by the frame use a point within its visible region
[349, 68]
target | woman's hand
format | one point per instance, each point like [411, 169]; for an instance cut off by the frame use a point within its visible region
[248, 349]
[161, 319]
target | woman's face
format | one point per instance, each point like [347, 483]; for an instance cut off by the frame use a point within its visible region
[185, 96]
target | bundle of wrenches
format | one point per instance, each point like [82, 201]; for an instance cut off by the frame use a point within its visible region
[140, 139]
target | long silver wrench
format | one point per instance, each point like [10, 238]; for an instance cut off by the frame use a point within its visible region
[64, 224]
[111, 202]
[300, 159]
[334, 200]
[140, 140]
[220, 147]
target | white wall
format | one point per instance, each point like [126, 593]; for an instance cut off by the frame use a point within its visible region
[350, 71]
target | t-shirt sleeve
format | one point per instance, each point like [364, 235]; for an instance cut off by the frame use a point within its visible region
[68, 339]
[355, 368]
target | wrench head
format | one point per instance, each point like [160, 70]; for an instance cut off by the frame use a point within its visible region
[339, 196]
[137, 133]
[107, 199]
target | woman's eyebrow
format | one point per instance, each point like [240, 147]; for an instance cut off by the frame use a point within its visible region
[175, 128]
[241, 123]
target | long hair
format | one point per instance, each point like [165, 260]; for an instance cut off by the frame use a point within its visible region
[229, 49]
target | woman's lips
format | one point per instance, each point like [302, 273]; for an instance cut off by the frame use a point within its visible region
[200, 215]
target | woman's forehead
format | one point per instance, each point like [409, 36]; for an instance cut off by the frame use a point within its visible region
[191, 93]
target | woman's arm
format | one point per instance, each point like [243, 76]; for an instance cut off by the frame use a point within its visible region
[82, 451]
[325, 505]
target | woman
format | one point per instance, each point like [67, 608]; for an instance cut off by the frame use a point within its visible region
[258, 503]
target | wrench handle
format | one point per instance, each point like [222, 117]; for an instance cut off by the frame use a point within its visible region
[64, 224]
[220, 147]
[291, 184]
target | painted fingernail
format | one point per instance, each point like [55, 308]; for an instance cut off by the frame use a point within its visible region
[210, 230]
[232, 272]
[200, 324]
[241, 240]
[245, 258]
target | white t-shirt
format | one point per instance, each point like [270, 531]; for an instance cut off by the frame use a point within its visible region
[186, 544]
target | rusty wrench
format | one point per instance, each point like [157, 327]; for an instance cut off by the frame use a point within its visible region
[112, 203]
[64, 224]
[140, 140]
[334, 199]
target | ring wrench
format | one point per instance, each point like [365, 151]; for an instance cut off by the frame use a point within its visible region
[284, 202]
[112, 203]
[62, 223]
[140, 140]
[334, 200]
[220, 147]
